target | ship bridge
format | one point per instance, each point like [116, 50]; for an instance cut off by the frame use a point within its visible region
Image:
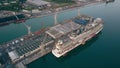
[62, 29]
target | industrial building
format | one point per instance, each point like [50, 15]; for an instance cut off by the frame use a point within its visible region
[39, 3]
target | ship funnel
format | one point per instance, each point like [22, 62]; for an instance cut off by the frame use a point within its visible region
[98, 20]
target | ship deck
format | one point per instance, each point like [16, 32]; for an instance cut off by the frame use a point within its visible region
[62, 29]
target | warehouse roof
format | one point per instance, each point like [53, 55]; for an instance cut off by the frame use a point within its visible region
[62, 29]
[13, 55]
[38, 2]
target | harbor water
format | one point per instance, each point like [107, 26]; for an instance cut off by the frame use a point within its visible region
[103, 51]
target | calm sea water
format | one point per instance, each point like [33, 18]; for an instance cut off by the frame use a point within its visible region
[101, 52]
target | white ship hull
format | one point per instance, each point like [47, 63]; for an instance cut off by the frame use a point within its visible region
[81, 39]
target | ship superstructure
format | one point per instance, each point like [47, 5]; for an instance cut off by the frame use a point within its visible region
[73, 33]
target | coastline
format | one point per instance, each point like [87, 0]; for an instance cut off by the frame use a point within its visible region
[52, 12]
[91, 4]
[40, 16]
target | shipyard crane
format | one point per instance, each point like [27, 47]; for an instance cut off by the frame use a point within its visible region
[78, 11]
[55, 18]
[56, 13]
[28, 28]
[15, 15]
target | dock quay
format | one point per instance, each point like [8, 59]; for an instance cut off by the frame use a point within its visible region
[48, 12]
[26, 60]
[41, 51]
[26, 49]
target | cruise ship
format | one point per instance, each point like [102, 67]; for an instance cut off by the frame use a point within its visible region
[74, 33]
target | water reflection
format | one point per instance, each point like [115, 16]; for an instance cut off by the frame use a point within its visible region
[79, 49]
